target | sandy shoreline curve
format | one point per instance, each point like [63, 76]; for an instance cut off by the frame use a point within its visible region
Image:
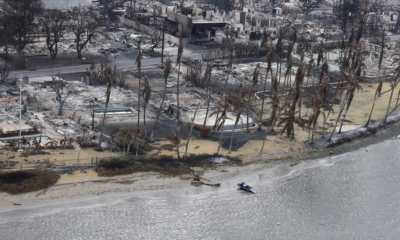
[83, 187]
[142, 184]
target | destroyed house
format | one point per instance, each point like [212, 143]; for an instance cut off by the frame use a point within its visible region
[196, 25]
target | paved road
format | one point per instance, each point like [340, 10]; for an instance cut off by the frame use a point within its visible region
[122, 64]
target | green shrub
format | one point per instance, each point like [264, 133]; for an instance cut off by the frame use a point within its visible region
[27, 181]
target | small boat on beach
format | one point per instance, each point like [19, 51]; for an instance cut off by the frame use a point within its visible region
[246, 187]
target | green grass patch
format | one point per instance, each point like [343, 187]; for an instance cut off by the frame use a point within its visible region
[21, 181]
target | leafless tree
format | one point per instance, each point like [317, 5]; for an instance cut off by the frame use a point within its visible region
[225, 5]
[133, 3]
[156, 35]
[181, 4]
[120, 78]
[308, 5]
[84, 25]
[21, 16]
[54, 25]
[275, 3]
[4, 72]
[108, 7]
[347, 11]
[58, 85]
[4, 33]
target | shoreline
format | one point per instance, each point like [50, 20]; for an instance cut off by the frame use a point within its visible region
[278, 165]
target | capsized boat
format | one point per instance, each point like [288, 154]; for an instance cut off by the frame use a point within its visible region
[246, 187]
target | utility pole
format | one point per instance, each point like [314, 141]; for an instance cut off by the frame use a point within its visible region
[162, 47]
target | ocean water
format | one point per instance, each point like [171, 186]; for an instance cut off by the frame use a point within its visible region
[351, 196]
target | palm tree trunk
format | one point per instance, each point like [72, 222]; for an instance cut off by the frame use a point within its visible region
[315, 126]
[370, 114]
[333, 101]
[140, 85]
[220, 139]
[64, 153]
[177, 153]
[144, 120]
[390, 101]
[230, 145]
[190, 132]
[301, 91]
[159, 111]
[137, 147]
[323, 125]
[247, 119]
[262, 102]
[128, 148]
[124, 147]
[338, 117]
[208, 106]
[79, 153]
[102, 127]
[177, 97]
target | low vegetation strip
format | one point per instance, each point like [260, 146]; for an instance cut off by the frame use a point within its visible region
[163, 164]
[15, 182]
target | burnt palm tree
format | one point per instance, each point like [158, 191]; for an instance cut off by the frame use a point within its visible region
[37, 143]
[320, 52]
[63, 142]
[276, 109]
[354, 86]
[230, 47]
[254, 85]
[123, 135]
[139, 66]
[178, 62]
[254, 80]
[377, 93]
[175, 139]
[221, 112]
[108, 78]
[271, 55]
[167, 70]
[191, 128]
[111, 140]
[351, 69]
[290, 115]
[394, 82]
[207, 80]
[23, 142]
[145, 93]
[11, 145]
[134, 136]
[238, 110]
[316, 102]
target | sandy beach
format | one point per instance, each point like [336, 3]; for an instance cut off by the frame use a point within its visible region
[78, 186]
